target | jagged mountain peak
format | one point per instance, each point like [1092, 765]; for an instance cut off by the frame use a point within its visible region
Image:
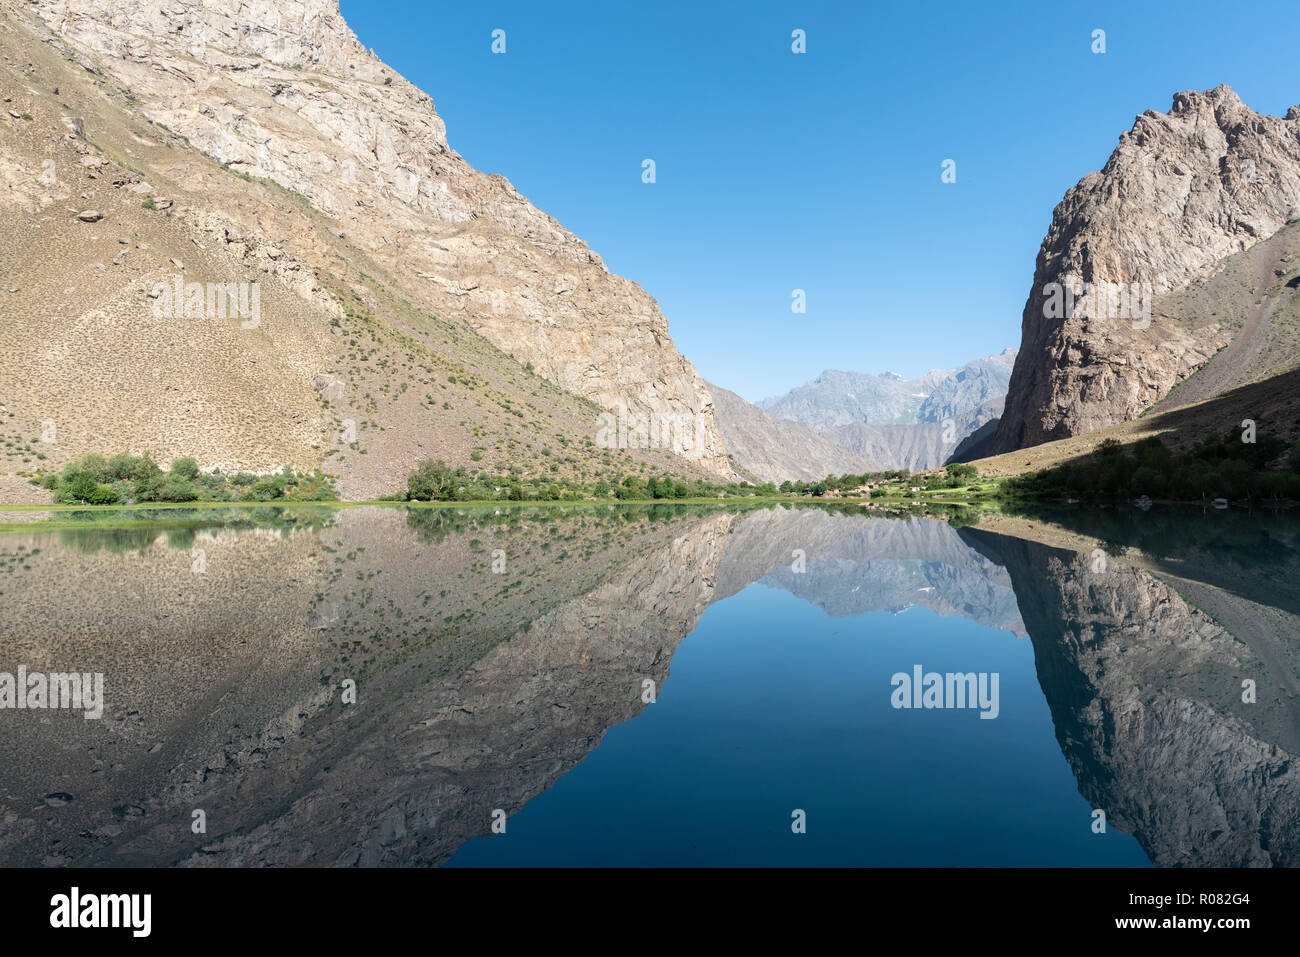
[1182, 192]
[888, 420]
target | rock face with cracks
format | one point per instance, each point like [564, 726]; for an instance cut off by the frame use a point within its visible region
[1182, 192]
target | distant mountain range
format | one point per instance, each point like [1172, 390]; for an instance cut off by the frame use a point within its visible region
[837, 398]
[841, 398]
[775, 449]
[885, 420]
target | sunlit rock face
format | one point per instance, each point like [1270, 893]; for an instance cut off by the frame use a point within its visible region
[286, 91]
[1182, 191]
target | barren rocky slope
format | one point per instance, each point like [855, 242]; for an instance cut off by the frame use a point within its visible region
[923, 445]
[1182, 192]
[429, 305]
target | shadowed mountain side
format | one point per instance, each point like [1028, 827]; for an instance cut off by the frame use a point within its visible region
[1273, 404]
[976, 445]
[1146, 697]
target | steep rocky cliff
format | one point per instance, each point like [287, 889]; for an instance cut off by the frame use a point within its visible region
[379, 229]
[1182, 192]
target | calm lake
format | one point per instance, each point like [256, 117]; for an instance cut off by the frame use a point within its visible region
[636, 685]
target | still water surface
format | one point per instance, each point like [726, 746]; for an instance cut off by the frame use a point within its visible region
[654, 686]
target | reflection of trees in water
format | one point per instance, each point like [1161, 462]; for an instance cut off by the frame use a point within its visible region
[433, 524]
[117, 541]
[958, 516]
[141, 528]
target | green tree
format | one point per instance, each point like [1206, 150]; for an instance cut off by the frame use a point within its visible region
[146, 469]
[433, 480]
[122, 466]
[185, 467]
[80, 488]
[177, 489]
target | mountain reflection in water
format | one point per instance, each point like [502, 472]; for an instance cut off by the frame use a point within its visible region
[492, 649]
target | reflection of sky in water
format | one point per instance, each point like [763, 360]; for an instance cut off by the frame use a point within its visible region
[772, 706]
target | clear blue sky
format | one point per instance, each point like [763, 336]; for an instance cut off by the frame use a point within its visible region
[818, 171]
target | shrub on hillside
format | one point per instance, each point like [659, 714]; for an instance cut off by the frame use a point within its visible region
[125, 478]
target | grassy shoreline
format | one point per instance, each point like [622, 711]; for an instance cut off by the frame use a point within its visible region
[107, 516]
[982, 497]
[919, 504]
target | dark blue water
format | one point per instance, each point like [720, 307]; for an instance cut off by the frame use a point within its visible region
[772, 706]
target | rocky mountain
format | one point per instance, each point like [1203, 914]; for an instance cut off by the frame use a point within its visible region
[400, 290]
[1182, 194]
[915, 447]
[775, 449]
[972, 395]
[899, 423]
[839, 398]
[976, 445]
